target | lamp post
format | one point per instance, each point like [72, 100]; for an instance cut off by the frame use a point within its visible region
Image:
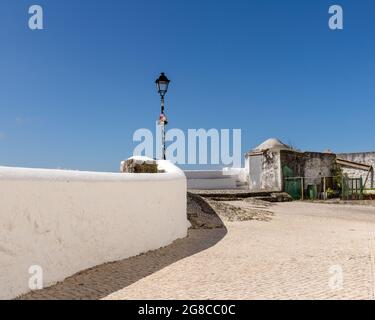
[162, 84]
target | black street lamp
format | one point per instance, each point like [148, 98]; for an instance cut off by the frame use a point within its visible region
[162, 84]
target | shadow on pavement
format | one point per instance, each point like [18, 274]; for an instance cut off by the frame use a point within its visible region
[101, 281]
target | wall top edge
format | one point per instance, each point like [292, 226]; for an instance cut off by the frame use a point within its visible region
[13, 173]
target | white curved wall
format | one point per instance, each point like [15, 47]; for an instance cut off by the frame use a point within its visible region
[68, 221]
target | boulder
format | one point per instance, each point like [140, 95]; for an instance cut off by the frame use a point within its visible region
[139, 165]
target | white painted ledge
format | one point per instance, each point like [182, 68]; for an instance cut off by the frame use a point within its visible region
[11, 173]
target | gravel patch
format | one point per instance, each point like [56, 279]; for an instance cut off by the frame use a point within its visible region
[241, 210]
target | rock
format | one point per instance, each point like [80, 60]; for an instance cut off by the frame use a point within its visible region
[200, 214]
[139, 165]
[282, 197]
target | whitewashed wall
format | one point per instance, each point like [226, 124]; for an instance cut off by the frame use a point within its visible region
[68, 221]
[228, 178]
[367, 158]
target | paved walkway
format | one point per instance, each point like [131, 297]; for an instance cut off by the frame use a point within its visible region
[298, 254]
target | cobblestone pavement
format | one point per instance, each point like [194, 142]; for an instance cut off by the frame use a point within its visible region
[295, 255]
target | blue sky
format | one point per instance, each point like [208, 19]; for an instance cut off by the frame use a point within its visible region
[72, 95]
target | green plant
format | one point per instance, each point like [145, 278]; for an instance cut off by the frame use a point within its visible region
[337, 175]
[330, 193]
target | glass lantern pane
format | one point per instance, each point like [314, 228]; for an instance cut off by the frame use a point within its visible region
[163, 86]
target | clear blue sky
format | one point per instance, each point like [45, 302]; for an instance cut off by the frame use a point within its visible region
[72, 95]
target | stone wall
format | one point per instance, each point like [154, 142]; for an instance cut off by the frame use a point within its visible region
[311, 165]
[263, 171]
[292, 163]
[270, 178]
[276, 165]
[318, 165]
[367, 158]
